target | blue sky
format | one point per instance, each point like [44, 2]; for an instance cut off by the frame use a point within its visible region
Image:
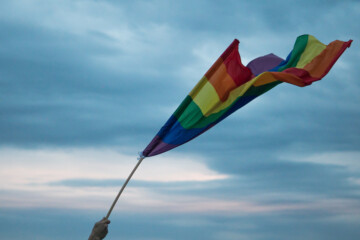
[85, 85]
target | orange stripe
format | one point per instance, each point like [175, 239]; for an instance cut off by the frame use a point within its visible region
[213, 68]
[264, 80]
[222, 82]
[320, 64]
[289, 78]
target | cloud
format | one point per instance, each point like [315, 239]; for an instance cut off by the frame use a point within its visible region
[349, 160]
[86, 84]
[92, 79]
[90, 178]
[44, 177]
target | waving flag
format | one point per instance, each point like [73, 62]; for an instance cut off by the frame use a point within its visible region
[228, 85]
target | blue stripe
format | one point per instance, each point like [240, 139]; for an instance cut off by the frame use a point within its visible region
[173, 133]
[282, 64]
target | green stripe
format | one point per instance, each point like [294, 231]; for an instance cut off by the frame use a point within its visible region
[252, 91]
[184, 104]
[190, 116]
[299, 47]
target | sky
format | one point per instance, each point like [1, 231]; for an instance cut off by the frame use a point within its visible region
[86, 85]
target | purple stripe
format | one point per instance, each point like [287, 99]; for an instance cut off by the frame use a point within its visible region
[264, 63]
[157, 146]
[178, 136]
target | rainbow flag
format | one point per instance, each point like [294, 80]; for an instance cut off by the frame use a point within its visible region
[228, 85]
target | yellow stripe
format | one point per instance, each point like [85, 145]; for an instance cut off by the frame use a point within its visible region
[234, 94]
[207, 99]
[313, 48]
[198, 87]
[265, 79]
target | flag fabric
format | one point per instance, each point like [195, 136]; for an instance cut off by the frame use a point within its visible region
[229, 85]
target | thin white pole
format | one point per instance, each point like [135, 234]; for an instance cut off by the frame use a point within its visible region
[123, 187]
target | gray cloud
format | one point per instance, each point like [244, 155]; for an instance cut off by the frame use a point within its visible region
[73, 224]
[57, 92]
[109, 73]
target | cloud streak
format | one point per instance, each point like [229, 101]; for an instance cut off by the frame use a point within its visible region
[84, 85]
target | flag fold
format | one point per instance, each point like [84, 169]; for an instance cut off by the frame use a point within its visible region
[229, 85]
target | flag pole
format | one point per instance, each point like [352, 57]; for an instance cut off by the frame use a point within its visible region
[124, 185]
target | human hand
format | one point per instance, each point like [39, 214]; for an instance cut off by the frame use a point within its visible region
[100, 229]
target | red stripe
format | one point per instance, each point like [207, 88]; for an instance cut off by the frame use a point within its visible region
[234, 67]
[231, 47]
[301, 77]
[228, 72]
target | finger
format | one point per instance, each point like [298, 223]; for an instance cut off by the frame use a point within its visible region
[106, 221]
